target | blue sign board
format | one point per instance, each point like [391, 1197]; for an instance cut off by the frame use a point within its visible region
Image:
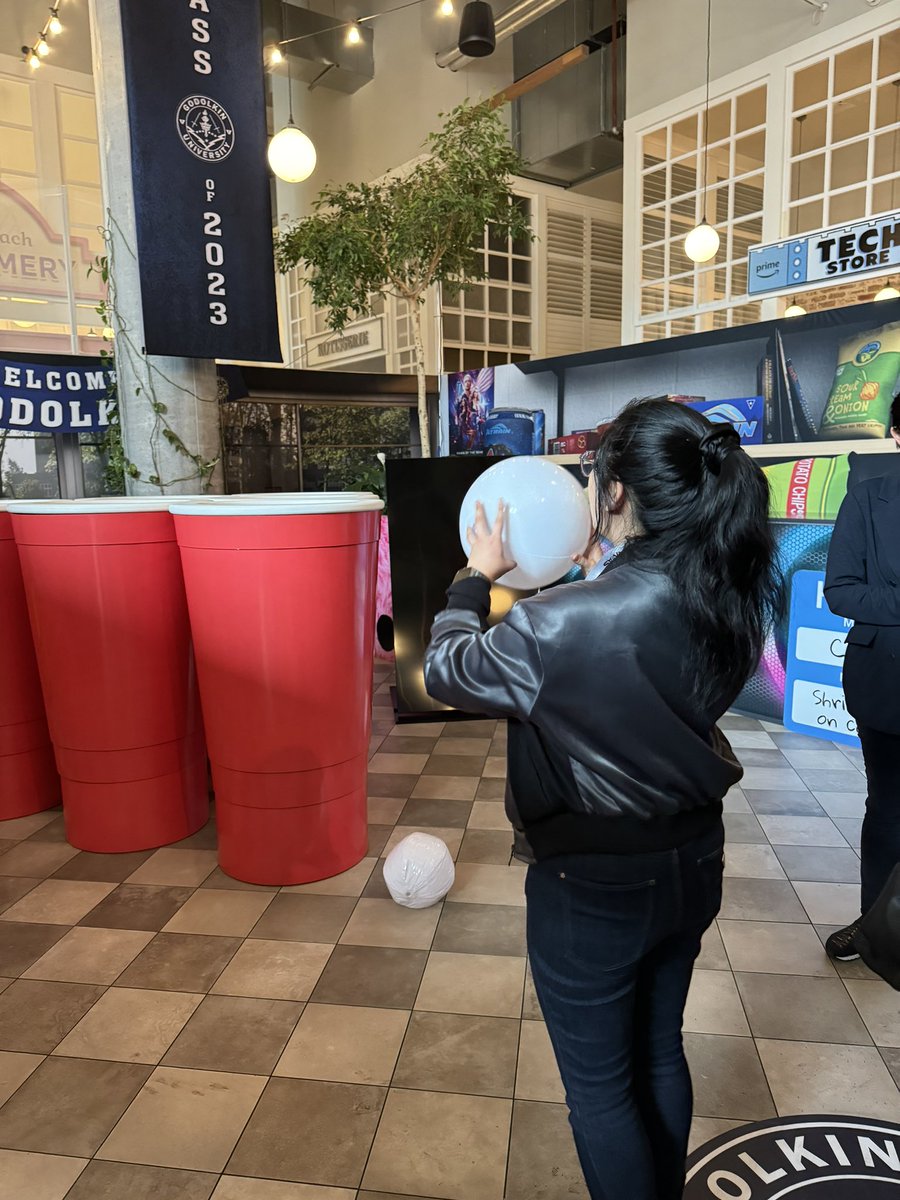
[814, 701]
[829, 255]
[56, 396]
[745, 414]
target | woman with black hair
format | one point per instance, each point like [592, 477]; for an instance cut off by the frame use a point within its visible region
[616, 770]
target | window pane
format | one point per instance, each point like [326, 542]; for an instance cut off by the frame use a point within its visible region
[887, 153]
[684, 136]
[808, 177]
[885, 196]
[521, 304]
[811, 86]
[887, 104]
[498, 267]
[750, 153]
[852, 69]
[850, 117]
[474, 327]
[847, 207]
[654, 187]
[654, 332]
[28, 466]
[684, 177]
[750, 110]
[889, 53]
[809, 131]
[473, 298]
[653, 300]
[805, 217]
[653, 262]
[654, 226]
[655, 147]
[719, 125]
[521, 335]
[521, 271]
[849, 164]
[498, 299]
[499, 332]
[451, 326]
[748, 196]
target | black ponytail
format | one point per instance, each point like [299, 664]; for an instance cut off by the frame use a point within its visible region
[701, 504]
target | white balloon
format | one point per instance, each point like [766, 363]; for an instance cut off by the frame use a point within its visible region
[548, 517]
[419, 871]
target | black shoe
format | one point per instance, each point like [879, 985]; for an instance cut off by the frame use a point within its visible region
[841, 946]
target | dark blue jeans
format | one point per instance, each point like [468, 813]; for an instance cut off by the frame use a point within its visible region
[612, 941]
[880, 842]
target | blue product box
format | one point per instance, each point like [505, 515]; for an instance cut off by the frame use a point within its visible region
[745, 414]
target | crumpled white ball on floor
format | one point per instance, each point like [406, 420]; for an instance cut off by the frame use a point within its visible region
[419, 871]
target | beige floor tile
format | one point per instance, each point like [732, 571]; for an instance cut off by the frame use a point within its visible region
[478, 883]
[463, 746]
[843, 805]
[37, 1176]
[36, 860]
[445, 787]
[235, 1033]
[273, 970]
[714, 1005]
[232, 1188]
[133, 1181]
[879, 1007]
[801, 1008]
[760, 900]
[221, 913]
[451, 1052]
[728, 1078]
[384, 923]
[397, 764]
[130, 1025]
[58, 902]
[14, 1070]
[537, 1077]
[489, 814]
[176, 868]
[482, 984]
[801, 831]
[543, 1164]
[704, 1129]
[775, 947]
[310, 1130]
[423, 729]
[829, 903]
[344, 1044]
[747, 861]
[495, 768]
[186, 1119]
[447, 1146]
[750, 739]
[35, 1015]
[452, 838]
[712, 951]
[20, 828]
[383, 810]
[820, 1078]
[349, 883]
[88, 955]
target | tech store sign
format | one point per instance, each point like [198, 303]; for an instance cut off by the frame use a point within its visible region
[829, 256]
[803, 1158]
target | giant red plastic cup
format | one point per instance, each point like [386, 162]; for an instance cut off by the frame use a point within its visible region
[281, 593]
[112, 636]
[29, 782]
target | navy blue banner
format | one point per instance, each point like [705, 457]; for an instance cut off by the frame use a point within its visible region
[55, 397]
[196, 106]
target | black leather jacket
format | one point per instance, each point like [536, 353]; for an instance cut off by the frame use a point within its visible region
[607, 751]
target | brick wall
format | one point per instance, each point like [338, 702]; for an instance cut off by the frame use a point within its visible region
[857, 291]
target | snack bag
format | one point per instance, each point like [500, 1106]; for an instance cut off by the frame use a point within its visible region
[808, 489]
[864, 383]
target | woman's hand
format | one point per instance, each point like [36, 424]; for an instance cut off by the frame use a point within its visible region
[487, 552]
[589, 559]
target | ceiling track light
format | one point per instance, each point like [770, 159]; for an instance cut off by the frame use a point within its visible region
[30, 56]
[354, 34]
[54, 25]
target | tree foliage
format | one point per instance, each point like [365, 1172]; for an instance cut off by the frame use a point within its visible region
[423, 226]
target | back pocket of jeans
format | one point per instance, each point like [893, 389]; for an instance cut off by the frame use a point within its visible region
[607, 924]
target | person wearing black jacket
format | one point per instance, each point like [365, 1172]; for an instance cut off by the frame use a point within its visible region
[862, 583]
[616, 770]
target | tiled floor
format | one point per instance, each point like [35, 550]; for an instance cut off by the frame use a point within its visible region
[169, 1034]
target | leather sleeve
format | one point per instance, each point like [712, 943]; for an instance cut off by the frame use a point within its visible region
[847, 589]
[498, 672]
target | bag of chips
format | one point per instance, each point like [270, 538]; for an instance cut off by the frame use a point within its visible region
[808, 489]
[859, 402]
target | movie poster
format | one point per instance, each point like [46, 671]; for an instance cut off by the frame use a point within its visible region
[471, 400]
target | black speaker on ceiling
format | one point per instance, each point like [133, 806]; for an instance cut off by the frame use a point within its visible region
[477, 36]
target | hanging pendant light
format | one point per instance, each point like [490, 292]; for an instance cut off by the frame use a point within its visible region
[702, 244]
[794, 309]
[291, 154]
[888, 292]
[477, 35]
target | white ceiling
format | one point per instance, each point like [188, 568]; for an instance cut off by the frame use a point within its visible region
[21, 21]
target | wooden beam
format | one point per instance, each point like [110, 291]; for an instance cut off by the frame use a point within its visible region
[533, 80]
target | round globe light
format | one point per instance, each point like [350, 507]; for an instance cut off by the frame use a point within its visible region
[548, 518]
[292, 156]
[889, 292]
[795, 310]
[702, 243]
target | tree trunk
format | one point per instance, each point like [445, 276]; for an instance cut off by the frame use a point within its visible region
[424, 424]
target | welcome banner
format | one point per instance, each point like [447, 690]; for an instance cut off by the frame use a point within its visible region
[55, 396]
[196, 107]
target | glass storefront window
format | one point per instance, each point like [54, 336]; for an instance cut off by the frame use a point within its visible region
[29, 468]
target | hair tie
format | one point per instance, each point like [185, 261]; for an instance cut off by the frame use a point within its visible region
[716, 445]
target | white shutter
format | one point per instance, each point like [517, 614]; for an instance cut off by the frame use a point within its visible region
[605, 300]
[584, 280]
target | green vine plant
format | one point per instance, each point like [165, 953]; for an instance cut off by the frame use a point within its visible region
[119, 466]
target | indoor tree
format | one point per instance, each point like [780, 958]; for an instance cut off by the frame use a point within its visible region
[413, 229]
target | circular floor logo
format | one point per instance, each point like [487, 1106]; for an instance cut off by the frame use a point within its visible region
[822, 1158]
[205, 128]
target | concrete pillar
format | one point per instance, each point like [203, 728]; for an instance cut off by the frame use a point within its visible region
[186, 387]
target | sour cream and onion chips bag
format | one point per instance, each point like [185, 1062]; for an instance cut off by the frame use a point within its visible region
[859, 402]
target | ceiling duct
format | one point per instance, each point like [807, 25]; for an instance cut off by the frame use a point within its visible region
[507, 24]
[569, 129]
[319, 52]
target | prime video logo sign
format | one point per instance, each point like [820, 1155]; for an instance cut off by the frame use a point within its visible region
[824, 1158]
